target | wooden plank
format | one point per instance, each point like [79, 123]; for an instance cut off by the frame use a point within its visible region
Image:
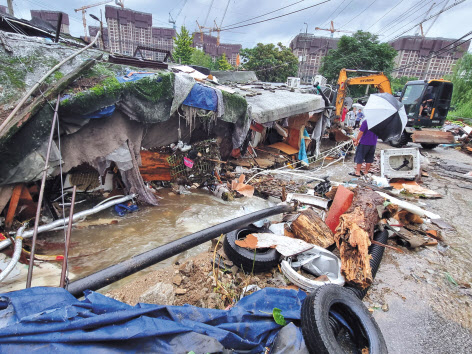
[289, 150]
[154, 166]
[15, 198]
[433, 137]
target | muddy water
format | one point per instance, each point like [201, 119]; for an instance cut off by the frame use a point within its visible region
[97, 247]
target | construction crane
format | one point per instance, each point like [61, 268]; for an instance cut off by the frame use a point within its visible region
[84, 10]
[173, 19]
[432, 23]
[420, 27]
[217, 28]
[331, 29]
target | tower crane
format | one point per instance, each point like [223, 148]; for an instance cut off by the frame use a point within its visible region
[432, 23]
[331, 29]
[173, 19]
[420, 27]
[84, 10]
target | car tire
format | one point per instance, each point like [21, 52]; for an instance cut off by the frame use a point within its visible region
[262, 261]
[429, 146]
[401, 141]
[318, 314]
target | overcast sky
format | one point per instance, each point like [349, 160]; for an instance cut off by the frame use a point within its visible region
[349, 15]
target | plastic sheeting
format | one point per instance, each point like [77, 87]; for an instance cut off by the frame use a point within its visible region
[134, 76]
[271, 106]
[45, 319]
[182, 87]
[32, 166]
[203, 97]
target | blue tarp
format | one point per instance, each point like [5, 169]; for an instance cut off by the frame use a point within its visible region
[302, 156]
[44, 319]
[202, 97]
[134, 76]
[101, 113]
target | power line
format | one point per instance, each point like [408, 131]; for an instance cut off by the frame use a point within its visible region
[340, 12]
[372, 25]
[273, 18]
[359, 14]
[328, 18]
[416, 18]
[394, 21]
[268, 13]
[430, 17]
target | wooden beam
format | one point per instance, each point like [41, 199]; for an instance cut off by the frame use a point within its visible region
[15, 198]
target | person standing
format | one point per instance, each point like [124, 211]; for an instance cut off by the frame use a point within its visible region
[359, 116]
[365, 152]
[351, 117]
[343, 116]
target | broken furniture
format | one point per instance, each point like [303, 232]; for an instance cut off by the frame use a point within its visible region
[400, 163]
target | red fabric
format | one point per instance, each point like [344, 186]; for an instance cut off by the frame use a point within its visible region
[343, 117]
[257, 127]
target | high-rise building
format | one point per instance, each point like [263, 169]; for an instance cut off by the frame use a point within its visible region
[127, 29]
[52, 17]
[163, 38]
[210, 47]
[427, 58]
[3, 9]
[310, 49]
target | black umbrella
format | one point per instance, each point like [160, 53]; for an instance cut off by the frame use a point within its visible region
[385, 115]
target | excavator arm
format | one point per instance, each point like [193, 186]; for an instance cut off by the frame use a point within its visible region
[376, 79]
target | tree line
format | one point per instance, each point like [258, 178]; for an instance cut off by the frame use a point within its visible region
[362, 50]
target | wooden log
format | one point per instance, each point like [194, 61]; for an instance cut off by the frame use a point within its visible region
[354, 235]
[310, 228]
[22, 117]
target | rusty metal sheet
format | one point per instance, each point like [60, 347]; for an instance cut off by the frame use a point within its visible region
[433, 137]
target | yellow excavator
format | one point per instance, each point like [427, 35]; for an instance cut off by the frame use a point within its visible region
[426, 104]
[376, 79]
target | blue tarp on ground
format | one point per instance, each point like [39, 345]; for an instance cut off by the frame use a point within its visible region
[202, 97]
[44, 319]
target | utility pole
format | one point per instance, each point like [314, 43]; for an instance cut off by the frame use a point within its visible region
[10, 7]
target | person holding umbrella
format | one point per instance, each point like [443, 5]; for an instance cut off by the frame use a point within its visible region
[385, 118]
[366, 142]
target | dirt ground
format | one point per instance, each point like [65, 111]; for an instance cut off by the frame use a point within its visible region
[421, 298]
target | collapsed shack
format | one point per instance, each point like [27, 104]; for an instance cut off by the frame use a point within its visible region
[125, 130]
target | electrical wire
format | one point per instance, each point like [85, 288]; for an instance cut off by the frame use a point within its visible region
[340, 12]
[372, 25]
[328, 18]
[395, 20]
[359, 14]
[415, 19]
[268, 13]
[432, 16]
[273, 18]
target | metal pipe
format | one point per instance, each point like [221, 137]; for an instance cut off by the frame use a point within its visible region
[16, 254]
[41, 193]
[75, 217]
[67, 241]
[141, 261]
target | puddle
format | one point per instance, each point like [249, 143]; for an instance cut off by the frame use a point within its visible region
[98, 247]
